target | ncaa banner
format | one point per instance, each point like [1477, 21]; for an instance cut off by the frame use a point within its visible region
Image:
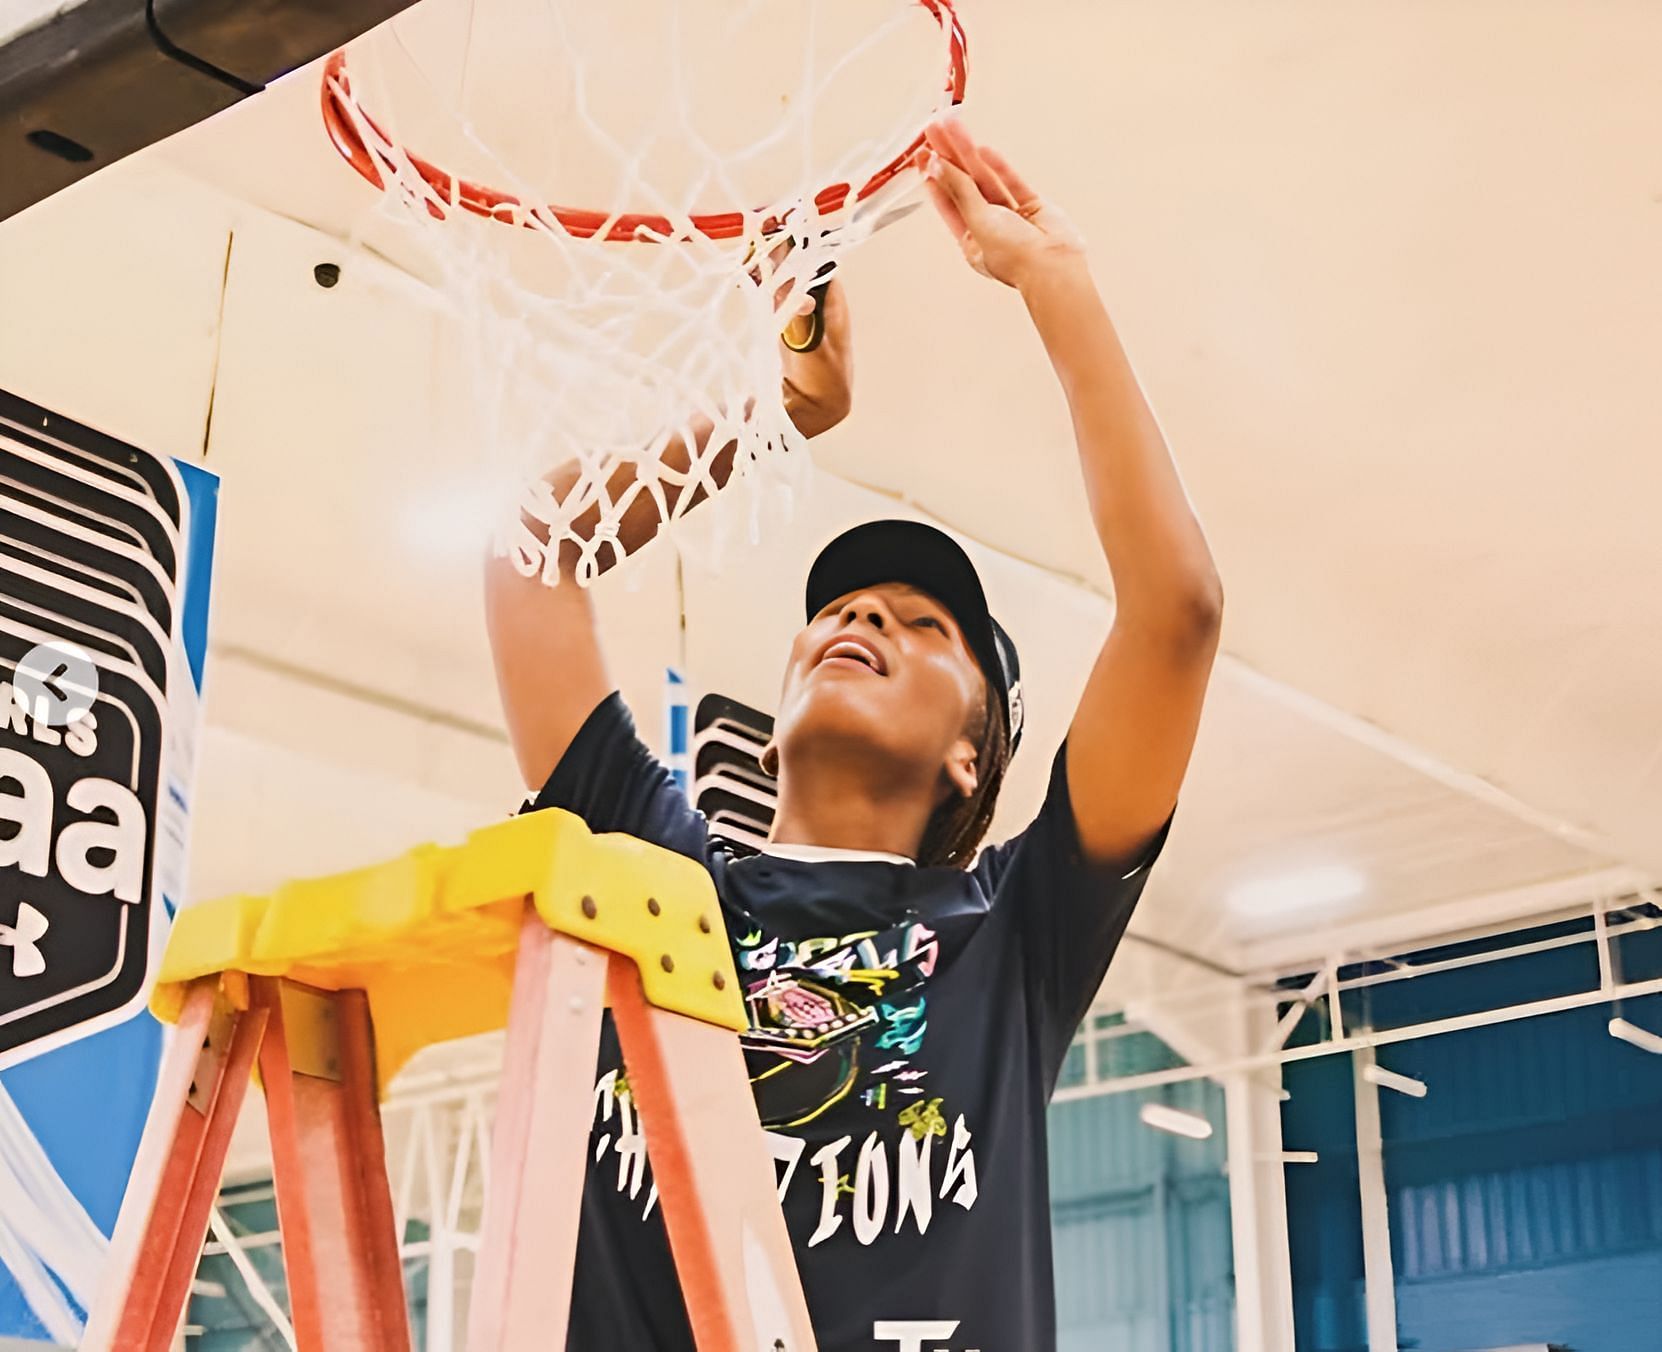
[105, 567]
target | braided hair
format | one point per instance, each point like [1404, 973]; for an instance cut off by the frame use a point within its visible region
[956, 828]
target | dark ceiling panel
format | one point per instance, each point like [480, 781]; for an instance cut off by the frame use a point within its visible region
[112, 76]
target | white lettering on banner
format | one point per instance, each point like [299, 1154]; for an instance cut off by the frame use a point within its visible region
[46, 732]
[30, 848]
[830, 1181]
[124, 838]
[912, 1333]
[36, 724]
[80, 735]
[15, 706]
[871, 1190]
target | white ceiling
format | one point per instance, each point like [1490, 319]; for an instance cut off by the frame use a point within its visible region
[1390, 273]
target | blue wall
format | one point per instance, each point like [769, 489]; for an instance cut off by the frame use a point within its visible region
[1525, 1190]
[1140, 1218]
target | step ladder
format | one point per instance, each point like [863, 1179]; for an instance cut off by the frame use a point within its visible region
[327, 987]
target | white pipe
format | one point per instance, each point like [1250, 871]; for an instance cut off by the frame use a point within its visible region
[404, 1194]
[1620, 929]
[1176, 1121]
[1244, 1210]
[1642, 1038]
[1378, 1038]
[1258, 984]
[1389, 1079]
[1378, 1273]
[1143, 1011]
[221, 1230]
[441, 1270]
[258, 1239]
[1295, 1016]
[1471, 917]
[1258, 1216]
[1335, 1009]
[1607, 961]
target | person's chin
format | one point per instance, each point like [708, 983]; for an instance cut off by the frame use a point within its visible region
[844, 707]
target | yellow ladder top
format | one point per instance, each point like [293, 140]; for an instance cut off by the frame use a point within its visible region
[431, 935]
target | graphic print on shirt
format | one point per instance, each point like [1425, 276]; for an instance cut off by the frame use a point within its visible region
[816, 1007]
[835, 1023]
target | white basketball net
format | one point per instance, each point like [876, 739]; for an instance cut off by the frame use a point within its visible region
[594, 343]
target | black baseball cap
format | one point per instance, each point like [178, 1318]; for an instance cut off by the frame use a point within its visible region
[932, 561]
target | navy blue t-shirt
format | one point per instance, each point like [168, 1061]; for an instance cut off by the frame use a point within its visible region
[907, 1028]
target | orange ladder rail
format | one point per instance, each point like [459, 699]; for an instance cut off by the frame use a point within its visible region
[330, 985]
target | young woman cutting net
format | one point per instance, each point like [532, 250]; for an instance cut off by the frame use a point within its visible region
[911, 994]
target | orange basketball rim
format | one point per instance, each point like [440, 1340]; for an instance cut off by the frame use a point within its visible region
[347, 122]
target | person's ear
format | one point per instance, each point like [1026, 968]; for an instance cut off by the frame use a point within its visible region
[960, 768]
[769, 759]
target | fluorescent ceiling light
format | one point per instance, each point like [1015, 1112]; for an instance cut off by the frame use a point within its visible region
[1389, 1079]
[1174, 1120]
[1642, 1038]
[1310, 889]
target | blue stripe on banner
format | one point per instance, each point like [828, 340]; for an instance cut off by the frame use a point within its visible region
[678, 728]
[202, 489]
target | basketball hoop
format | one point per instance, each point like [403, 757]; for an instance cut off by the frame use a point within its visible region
[585, 352]
[347, 122]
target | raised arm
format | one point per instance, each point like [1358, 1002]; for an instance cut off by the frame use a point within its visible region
[550, 670]
[1134, 730]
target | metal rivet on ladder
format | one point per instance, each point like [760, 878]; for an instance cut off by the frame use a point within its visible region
[652, 906]
[589, 908]
[667, 963]
[718, 981]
